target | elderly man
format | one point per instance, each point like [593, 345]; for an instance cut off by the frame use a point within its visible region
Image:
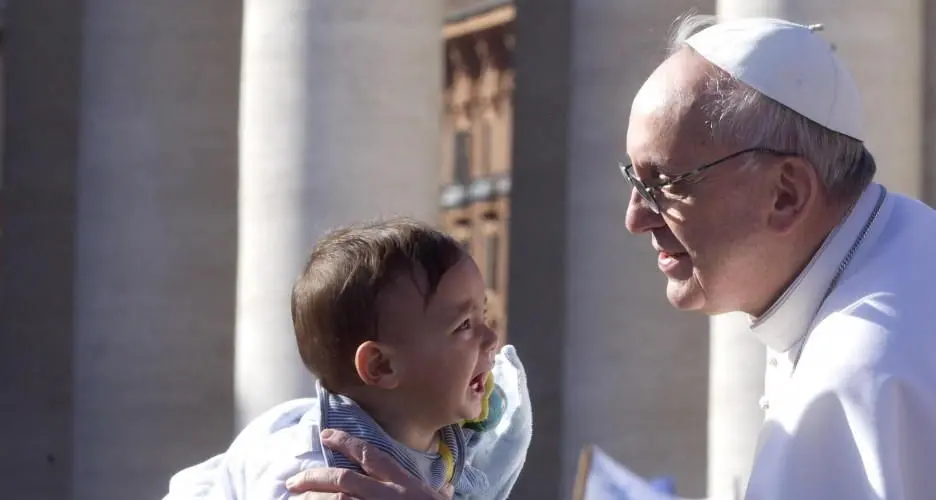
[752, 180]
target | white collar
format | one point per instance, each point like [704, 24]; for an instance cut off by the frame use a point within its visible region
[789, 318]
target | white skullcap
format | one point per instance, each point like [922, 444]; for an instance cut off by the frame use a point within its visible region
[790, 64]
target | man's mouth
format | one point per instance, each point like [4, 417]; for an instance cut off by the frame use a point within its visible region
[671, 262]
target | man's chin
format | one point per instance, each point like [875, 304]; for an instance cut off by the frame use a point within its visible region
[684, 295]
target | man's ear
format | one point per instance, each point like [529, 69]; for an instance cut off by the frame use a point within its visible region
[374, 364]
[796, 188]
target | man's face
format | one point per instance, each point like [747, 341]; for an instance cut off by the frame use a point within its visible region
[710, 234]
[442, 351]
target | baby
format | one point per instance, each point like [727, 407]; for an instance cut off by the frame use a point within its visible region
[389, 317]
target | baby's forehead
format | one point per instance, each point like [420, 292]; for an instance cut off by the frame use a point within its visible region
[402, 304]
[406, 302]
[403, 289]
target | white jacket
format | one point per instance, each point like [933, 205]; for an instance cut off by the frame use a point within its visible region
[285, 440]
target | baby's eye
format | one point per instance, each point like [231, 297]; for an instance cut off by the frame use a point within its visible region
[465, 325]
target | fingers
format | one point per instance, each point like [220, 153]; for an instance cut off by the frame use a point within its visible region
[375, 462]
[317, 480]
[447, 491]
[324, 496]
[333, 483]
[385, 478]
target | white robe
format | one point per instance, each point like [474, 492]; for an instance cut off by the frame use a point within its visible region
[851, 380]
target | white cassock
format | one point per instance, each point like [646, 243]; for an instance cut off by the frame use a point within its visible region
[851, 380]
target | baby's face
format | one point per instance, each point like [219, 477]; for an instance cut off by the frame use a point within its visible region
[442, 351]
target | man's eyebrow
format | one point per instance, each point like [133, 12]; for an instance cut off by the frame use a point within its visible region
[656, 166]
[648, 161]
[652, 167]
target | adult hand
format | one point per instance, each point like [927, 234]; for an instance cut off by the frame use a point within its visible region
[385, 479]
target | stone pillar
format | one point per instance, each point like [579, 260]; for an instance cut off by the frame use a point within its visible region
[536, 305]
[736, 383]
[340, 116]
[929, 98]
[882, 45]
[155, 242]
[611, 362]
[42, 81]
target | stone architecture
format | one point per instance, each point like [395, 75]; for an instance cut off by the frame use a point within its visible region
[610, 361]
[166, 167]
[120, 213]
[477, 127]
[339, 122]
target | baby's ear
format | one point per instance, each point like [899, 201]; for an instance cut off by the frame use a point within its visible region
[372, 361]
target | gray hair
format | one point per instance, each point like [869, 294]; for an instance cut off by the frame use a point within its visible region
[739, 115]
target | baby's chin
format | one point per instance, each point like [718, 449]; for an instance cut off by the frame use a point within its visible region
[472, 411]
[468, 410]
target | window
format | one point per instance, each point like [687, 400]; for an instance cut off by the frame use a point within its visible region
[462, 157]
[461, 231]
[487, 138]
[491, 260]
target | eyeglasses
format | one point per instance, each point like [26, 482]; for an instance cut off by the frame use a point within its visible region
[647, 191]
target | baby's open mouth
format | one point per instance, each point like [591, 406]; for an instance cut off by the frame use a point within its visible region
[477, 382]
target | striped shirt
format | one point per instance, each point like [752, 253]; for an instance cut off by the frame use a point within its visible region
[342, 413]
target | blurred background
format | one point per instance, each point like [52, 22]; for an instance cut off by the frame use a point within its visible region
[167, 165]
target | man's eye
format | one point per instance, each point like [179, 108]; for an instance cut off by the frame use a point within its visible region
[465, 325]
[662, 179]
[652, 181]
[675, 190]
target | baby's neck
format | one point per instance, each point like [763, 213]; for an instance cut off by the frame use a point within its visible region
[400, 425]
[409, 435]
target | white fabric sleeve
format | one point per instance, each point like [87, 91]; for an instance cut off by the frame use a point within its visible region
[873, 438]
[501, 452]
[256, 466]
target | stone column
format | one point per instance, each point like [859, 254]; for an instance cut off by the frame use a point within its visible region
[882, 45]
[42, 78]
[340, 115]
[536, 306]
[929, 98]
[619, 366]
[736, 383]
[155, 242]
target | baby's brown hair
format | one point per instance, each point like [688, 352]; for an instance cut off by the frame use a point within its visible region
[334, 301]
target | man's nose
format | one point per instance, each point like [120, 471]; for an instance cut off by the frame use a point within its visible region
[640, 218]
